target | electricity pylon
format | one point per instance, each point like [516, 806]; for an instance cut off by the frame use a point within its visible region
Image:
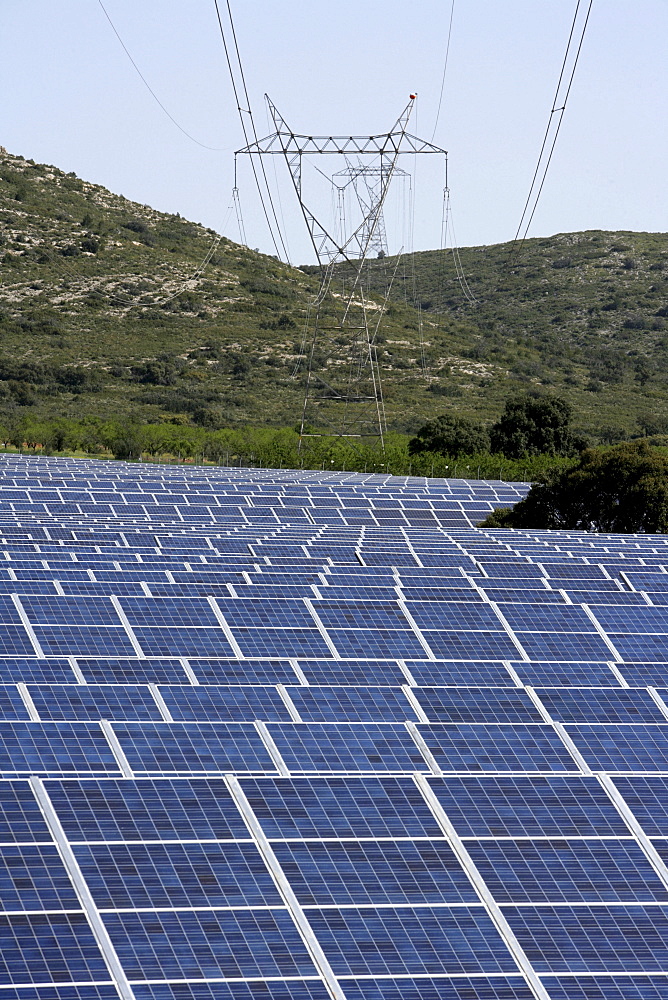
[373, 177]
[343, 388]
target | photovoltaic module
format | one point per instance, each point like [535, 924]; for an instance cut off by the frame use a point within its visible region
[273, 735]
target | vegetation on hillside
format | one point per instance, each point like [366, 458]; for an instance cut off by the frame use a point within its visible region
[582, 314]
[531, 424]
[104, 314]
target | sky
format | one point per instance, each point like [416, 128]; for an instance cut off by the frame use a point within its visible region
[72, 98]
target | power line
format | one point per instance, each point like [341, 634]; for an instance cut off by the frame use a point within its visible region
[215, 149]
[247, 110]
[559, 112]
[445, 69]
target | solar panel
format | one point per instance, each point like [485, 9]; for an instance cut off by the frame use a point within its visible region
[175, 623]
[326, 807]
[135, 876]
[593, 939]
[130, 809]
[431, 940]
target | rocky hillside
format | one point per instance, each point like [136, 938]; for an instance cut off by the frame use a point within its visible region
[110, 308]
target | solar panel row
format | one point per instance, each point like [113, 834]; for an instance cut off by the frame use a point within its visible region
[267, 734]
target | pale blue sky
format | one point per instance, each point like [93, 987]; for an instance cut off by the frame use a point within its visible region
[70, 97]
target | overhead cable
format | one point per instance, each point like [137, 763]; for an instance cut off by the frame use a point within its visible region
[558, 109]
[247, 110]
[445, 69]
[215, 149]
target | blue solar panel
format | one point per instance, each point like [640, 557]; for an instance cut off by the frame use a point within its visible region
[565, 673]
[14, 642]
[647, 797]
[83, 991]
[376, 643]
[388, 902]
[165, 641]
[193, 747]
[331, 873]
[351, 704]
[600, 705]
[443, 704]
[49, 948]
[358, 672]
[259, 989]
[637, 747]
[386, 942]
[641, 648]
[266, 614]
[607, 988]
[130, 810]
[269, 642]
[93, 702]
[209, 944]
[349, 614]
[592, 871]
[243, 671]
[54, 747]
[465, 673]
[33, 877]
[132, 671]
[172, 875]
[218, 703]
[76, 640]
[594, 938]
[528, 806]
[436, 614]
[642, 674]
[165, 612]
[443, 988]
[463, 645]
[68, 611]
[340, 807]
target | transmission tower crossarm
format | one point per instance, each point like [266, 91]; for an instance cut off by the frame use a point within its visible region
[285, 141]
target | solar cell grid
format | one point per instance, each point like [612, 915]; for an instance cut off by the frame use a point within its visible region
[193, 747]
[331, 873]
[623, 747]
[383, 907]
[422, 940]
[346, 747]
[601, 705]
[477, 705]
[607, 988]
[351, 704]
[593, 939]
[132, 671]
[49, 947]
[172, 875]
[131, 810]
[224, 703]
[592, 871]
[88, 702]
[571, 673]
[209, 944]
[443, 988]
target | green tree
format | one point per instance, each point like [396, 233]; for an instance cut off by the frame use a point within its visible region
[451, 436]
[621, 489]
[533, 424]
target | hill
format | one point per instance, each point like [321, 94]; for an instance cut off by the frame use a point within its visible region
[582, 314]
[109, 308]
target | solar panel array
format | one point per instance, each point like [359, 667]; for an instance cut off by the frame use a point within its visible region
[299, 736]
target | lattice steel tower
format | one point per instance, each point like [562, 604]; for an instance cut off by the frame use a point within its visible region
[343, 390]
